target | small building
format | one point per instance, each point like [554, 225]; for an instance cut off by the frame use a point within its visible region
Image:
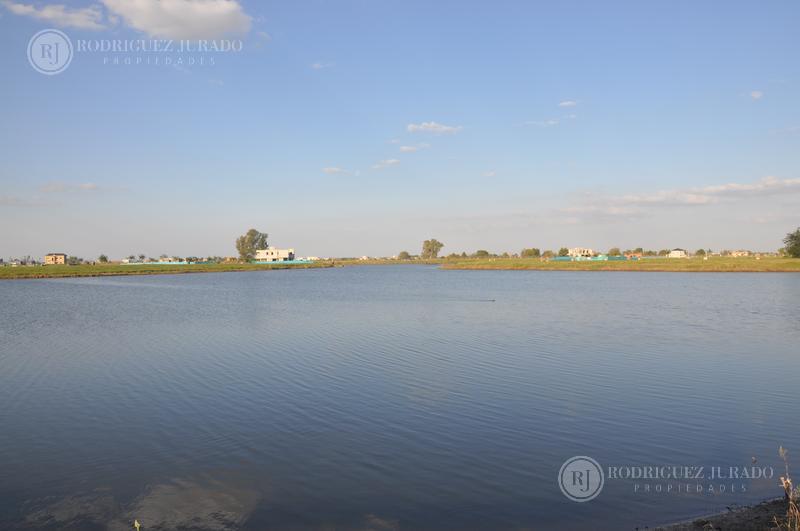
[273, 254]
[678, 253]
[55, 259]
[740, 254]
[581, 252]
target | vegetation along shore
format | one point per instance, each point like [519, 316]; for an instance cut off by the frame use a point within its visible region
[712, 265]
[100, 270]
[693, 265]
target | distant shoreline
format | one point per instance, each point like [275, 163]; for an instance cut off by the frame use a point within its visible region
[654, 265]
[114, 270]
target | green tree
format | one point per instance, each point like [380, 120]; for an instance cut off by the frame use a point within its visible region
[700, 252]
[142, 257]
[563, 252]
[103, 259]
[548, 254]
[792, 241]
[481, 253]
[614, 251]
[249, 243]
[403, 255]
[431, 248]
[530, 253]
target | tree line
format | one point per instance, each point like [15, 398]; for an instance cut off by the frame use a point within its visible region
[432, 247]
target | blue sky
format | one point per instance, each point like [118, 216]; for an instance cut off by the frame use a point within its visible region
[364, 127]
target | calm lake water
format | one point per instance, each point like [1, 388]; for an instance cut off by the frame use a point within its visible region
[387, 397]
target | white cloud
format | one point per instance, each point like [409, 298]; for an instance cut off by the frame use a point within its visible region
[433, 127]
[542, 123]
[712, 194]
[596, 208]
[320, 66]
[333, 170]
[183, 19]
[756, 95]
[568, 103]
[630, 204]
[490, 173]
[413, 149]
[90, 18]
[385, 164]
[788, 130]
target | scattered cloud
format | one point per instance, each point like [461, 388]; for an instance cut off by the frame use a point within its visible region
[183, 19]
[756, 95]
[433, 127]
[413, 149]
[593, 208]
[596, 208]
[568, 103]
[333, 170]
[261, 40]
[320, 66]
[87, 18]
[7, 200]
[386, 163]
[491, 173]
[712, 194]
[542, 123]
[59, 186]
[792, 129]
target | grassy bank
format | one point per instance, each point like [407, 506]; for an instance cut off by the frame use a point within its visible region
[713, 264]
[100, 270]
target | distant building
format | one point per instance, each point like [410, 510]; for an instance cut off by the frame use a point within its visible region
[55, 259]
[633, 256]
[739, 254]
[678, 253]
[581, 252]
[272, 254]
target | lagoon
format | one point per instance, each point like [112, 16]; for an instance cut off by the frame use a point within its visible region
[388, 397]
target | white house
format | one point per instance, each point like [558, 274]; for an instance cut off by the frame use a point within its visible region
[678, 253]
[581, 252]
[272, 254]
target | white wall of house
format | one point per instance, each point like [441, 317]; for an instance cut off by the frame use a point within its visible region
[581, 251]
[273, 254]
